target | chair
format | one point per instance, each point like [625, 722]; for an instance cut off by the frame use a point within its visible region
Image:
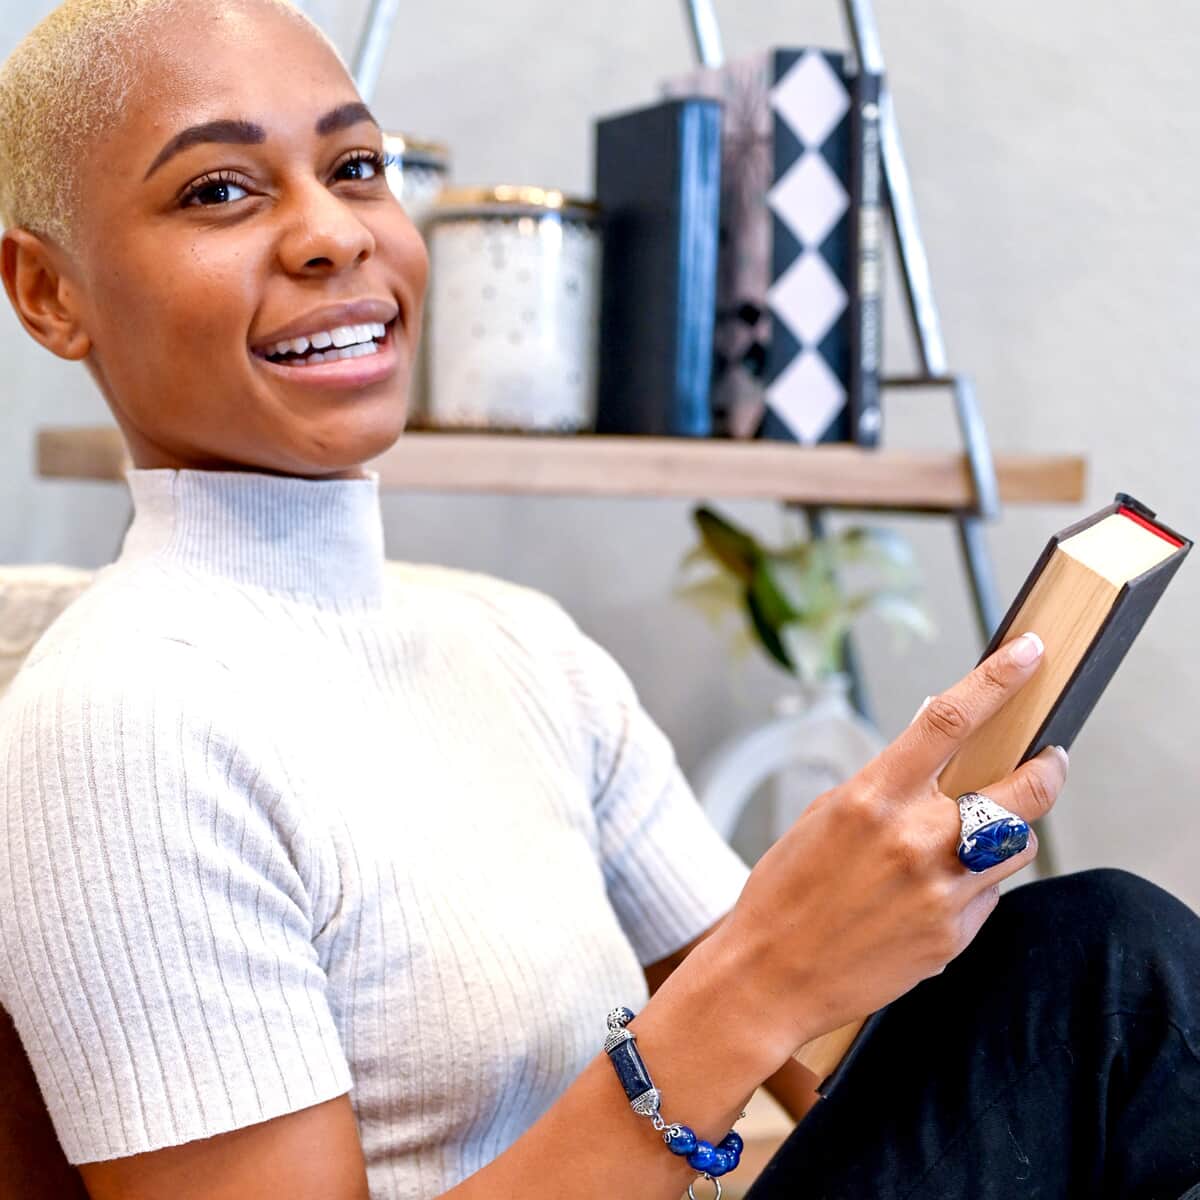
[32, 1164]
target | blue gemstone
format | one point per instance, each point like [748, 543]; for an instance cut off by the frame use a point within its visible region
[704, 1155]
[723, 1163]
[684, 1142]
[731, 1141]
[631, 1070]
[994, 843]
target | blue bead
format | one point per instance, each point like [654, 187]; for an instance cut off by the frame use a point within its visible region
[994, 843]
[684, 1142]
[722, 1164]
[630, 1068]
[731, 1141]
[704, 1155]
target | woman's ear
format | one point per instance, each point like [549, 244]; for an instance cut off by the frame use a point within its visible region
[42, 294]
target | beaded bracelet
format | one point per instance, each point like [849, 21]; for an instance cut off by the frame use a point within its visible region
[712, 1161]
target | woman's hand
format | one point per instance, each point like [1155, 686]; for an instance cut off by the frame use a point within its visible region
[864, 896]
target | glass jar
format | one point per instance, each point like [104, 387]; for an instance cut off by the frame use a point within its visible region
[513, 310]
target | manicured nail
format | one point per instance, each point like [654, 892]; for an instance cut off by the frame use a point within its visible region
[924, 706]
[1027, 649]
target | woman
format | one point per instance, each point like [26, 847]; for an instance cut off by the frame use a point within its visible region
[321, 878]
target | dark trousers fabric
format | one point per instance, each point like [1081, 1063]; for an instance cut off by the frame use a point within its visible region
[1058, 1057]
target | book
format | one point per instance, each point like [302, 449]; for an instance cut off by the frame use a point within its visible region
[866, 300]
[1087, 598]
[787, 351]
[658, 183]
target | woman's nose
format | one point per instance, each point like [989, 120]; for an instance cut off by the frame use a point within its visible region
[323, 235]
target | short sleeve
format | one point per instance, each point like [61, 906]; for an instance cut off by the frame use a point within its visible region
[669, 873]
[156, 950]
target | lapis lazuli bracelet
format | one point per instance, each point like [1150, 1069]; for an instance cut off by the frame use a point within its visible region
[621, 1047]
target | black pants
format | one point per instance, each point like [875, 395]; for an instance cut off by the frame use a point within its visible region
[1059, 1057]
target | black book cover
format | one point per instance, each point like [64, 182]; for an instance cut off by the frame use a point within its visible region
[866, 331]
[1125, 619]
[658, 183]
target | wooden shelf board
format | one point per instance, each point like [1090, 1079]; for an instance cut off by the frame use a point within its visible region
[592, 465]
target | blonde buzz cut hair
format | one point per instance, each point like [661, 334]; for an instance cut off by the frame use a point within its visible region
[62, 87]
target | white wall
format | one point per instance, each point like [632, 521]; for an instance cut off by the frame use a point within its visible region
[1051, 149]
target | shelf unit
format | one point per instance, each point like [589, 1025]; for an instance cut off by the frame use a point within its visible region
[597, 465]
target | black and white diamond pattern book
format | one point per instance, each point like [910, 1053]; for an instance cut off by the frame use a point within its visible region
[808, 364]
[786, 307]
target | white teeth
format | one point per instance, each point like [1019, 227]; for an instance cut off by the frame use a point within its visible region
[361, 338]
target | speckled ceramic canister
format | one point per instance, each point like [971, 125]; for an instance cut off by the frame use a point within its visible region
[513, 310]
[417, 171]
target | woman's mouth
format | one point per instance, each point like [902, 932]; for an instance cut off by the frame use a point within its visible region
[344, 357]
[329, 345]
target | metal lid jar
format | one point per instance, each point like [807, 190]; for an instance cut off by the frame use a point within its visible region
[513, 310]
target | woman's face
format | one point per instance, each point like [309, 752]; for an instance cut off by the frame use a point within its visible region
[242, 204]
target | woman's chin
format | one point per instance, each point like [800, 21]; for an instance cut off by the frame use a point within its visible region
[345, 442]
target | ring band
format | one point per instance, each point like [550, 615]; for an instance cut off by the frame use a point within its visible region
[990, 833]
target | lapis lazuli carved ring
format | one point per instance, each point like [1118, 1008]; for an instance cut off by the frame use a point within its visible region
[990, 833]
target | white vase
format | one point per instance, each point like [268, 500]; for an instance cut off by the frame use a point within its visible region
[814, 742]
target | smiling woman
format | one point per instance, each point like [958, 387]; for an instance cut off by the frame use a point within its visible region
[225, 217]
[319, 874]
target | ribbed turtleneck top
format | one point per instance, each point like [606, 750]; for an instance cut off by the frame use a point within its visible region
[281, 820]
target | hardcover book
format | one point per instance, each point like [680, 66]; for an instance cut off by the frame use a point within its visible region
[658, 179]
[1087, 598]
[791, 337]
[866, 300]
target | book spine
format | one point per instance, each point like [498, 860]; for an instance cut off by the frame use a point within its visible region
[866, 413]
[658, 186]
[699, 238]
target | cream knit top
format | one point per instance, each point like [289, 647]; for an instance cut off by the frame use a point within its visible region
[280, 820]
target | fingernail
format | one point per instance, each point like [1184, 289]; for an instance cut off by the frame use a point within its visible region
[1027, 649]
[1065, 756]
[924, 706]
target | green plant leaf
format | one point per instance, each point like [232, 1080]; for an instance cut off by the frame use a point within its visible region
[767, 614]
[732, 547]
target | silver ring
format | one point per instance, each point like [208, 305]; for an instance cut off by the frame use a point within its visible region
[989, 832]
[711, 1179]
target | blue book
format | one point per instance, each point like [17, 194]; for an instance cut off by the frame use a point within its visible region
[658, 183]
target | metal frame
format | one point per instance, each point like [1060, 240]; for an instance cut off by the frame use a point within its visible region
[914, 268]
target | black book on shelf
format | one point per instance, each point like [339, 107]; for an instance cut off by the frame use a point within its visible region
[866, 312]
[658, 184]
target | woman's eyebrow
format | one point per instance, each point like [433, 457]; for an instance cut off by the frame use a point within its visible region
[243, 133]
[246, 133]
[343, 117]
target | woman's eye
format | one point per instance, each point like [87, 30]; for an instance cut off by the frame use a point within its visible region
[362, 168]
[215, 192]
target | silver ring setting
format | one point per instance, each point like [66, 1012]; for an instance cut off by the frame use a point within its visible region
[990, 833]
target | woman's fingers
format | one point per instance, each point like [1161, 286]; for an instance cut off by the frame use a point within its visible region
[940, 728]
[1032, 789]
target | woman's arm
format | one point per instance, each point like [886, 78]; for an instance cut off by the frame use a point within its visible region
[587, 1146]
[861, 899]
[793, 1086]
